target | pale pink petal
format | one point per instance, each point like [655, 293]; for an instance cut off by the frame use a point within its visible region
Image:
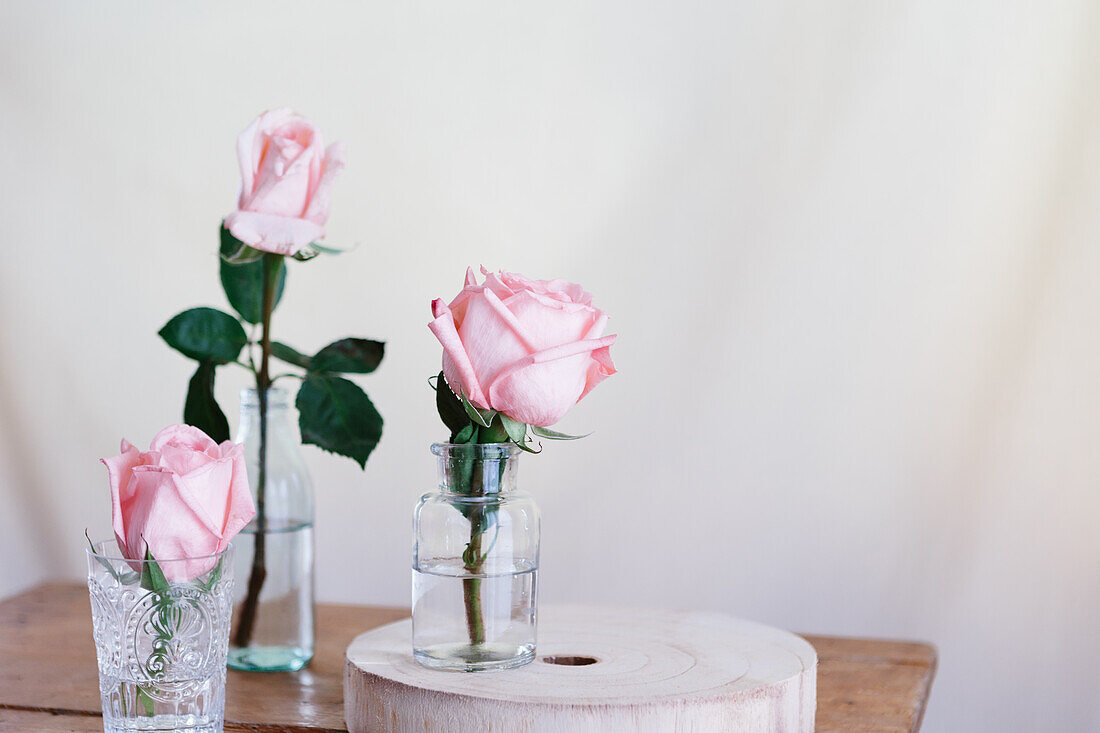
[206, 493]
[162, 522]
[320, 197]
[600, 369]
[457, 369]
[119, 474]
[282, 183]
[488, 339]
[598, 326]
[184, 436]
[496, 285]
[277, 234]
[540, 389]
[548, 322]
[240, 509]
[509, 318]
[183, 460]
[250, 147]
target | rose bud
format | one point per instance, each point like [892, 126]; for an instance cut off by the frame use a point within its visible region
[183, 499]
[286, 177]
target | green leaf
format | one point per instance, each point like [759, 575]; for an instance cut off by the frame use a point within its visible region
[336, 415]
[146, 702]
[517, 431]
[289, 354]
[450, 409]
[467, 434]
[325, 249]
[305, 254]
[215, 576]
[102, 560]
[350, 355]
[201, 410]
[482, 417]
[151, 576]
[205, 333]
[233, 250]
[554, 434]
[243, 280]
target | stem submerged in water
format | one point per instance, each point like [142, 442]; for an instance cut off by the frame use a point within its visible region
[471, 592]
[474, 558]
[247, 620]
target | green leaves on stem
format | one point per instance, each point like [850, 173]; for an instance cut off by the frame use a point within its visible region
[350, 356]
[200, 409]
[289, 354]
[451, 410]
[205, 333]
[471, 424]
[242, 276]
[152, 578]
[336, 415]
[346, 356]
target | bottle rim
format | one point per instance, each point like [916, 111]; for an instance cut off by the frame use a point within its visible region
[482, 451]
[276, 397]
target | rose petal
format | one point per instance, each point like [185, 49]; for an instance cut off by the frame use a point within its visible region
[488, 339]
[540, 388]
[457, 369]
[276, 234]
[318, 207]
[548, 322]
[241, 508]
[163, 523]
[250, 147]
[185, 436]
[119, 474]
[283, 182]
[601, 368]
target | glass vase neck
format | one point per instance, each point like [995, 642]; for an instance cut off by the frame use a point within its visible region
[477, 469]
[277, 398]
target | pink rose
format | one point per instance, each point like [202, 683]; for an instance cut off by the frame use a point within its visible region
[530, 349]
[185, 497]
[286, 176]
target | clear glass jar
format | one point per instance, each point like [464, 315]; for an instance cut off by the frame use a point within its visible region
[475, 563]
[275, 551]
[160, 643]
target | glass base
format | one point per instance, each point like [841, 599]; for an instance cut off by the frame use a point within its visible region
[475, 657]
[162, 724]
[269, 658]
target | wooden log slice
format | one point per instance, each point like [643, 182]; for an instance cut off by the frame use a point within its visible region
[653, 670]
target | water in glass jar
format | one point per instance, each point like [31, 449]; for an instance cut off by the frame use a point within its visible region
[441, 632]
[194, 706]
[282, 638]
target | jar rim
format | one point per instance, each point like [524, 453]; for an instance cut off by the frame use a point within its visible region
[108, 550]
[479, 450]
[276, 397]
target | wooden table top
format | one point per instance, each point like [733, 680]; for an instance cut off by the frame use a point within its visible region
[49, 678]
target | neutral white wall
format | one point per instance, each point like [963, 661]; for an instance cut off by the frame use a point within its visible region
[850, 250]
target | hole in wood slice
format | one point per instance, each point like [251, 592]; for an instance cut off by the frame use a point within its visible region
[570, 660]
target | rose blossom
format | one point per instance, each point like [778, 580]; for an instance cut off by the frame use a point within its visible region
[527, 348]
[185, 497]
[286, 176]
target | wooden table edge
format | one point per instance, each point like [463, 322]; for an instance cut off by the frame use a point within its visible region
[862, 650]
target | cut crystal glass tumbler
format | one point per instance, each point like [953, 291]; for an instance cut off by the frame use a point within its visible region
[161, 633]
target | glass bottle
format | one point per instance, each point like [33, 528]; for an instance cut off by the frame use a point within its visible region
[475, 563]
[275, 551]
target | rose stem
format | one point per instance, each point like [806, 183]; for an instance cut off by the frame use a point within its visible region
[471, 587]
[263, 381]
